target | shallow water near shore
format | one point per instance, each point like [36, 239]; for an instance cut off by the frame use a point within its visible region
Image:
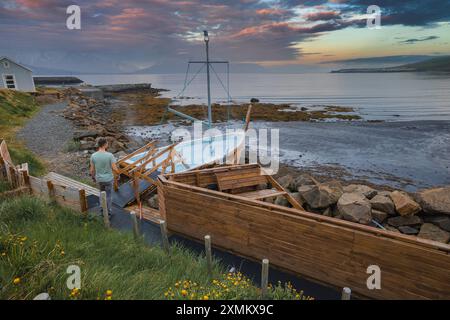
[388, 97]
[406, 155]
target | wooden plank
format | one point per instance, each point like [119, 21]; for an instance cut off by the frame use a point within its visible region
[262, 194]
[4, 153]
[68, 182]
[227, 181]
[149, 214]
[83, 200]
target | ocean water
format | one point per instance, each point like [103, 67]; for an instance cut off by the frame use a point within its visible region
[389, 96]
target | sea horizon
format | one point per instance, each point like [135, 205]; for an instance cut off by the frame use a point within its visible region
[384, 97]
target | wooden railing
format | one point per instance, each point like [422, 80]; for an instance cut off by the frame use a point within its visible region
[21, 182]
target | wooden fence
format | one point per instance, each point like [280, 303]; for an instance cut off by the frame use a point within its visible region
[324, 249]
[21, 182]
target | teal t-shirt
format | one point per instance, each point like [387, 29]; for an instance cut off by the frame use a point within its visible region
[103, 166]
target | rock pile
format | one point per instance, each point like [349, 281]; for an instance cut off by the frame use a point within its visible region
[425, 213]
[92, 120]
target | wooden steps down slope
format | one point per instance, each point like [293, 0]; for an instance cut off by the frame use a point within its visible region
[68, 182]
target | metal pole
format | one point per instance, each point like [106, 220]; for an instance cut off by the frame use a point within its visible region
[228, 91]
[346, 293]
[208, 254]
[209, 83]
[264, 277]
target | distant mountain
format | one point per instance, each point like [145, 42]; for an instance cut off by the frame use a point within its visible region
[49, 71]
[438, 64]
[385, 61]
[180, 67]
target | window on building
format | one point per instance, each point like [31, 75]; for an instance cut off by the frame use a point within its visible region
[10, 81]
[6, 64]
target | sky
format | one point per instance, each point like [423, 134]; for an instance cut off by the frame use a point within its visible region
[123, 36]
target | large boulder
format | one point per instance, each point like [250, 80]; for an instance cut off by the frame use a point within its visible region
[404, 204]
[379, 216]
[400, 221]
[80, 134]
[87, 145]
[442, 221]
[435, 201]
[287, 182]
[153, 202]
[366, 191]
[297, 197]
[282, 201]
[391, 228]
[383, 203]
[115, 145]
[408, 230]
[355, 207]
[322, 195]
[304, 180]
[432, 232]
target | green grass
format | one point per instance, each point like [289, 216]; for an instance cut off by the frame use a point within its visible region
[4, 186]
[39, 241]
[72, 146]
[15, 109]
[15, 106]
[21, 155]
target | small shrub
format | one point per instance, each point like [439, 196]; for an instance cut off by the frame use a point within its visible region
[72, 146]
[4, 186]
[26, 208]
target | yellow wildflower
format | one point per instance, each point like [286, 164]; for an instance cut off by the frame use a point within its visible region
[16, 280]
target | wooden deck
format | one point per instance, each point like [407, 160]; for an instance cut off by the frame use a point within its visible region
[68, 182]
[149, 214]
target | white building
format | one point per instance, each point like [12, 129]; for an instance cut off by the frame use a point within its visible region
[15, 76]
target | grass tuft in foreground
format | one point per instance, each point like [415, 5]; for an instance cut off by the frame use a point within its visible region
[38, 242]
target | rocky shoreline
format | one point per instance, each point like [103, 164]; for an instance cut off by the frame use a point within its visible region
[425, 213]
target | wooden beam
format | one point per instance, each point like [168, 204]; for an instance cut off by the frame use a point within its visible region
[83, 200]
[289, 198]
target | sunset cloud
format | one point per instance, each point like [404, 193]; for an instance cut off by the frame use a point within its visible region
[147, 32]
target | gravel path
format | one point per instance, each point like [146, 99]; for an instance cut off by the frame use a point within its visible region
[47, 133]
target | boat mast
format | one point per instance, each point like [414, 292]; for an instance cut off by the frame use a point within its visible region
[209, 65]
[206, 38]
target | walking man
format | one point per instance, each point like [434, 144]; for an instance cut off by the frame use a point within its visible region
[102, 169]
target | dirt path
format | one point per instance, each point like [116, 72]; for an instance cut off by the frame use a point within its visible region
[47, 133]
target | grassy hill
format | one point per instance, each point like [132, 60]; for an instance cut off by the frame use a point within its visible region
[15, 109]
[438, 64]
[39, 241]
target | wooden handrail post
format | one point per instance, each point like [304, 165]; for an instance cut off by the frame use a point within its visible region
[83, 200]
[208, 254]
[164, 237]
[13, 177]
[136, 229]
[264, 278]
[346, 294]
[50, 190]
[104, 205]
